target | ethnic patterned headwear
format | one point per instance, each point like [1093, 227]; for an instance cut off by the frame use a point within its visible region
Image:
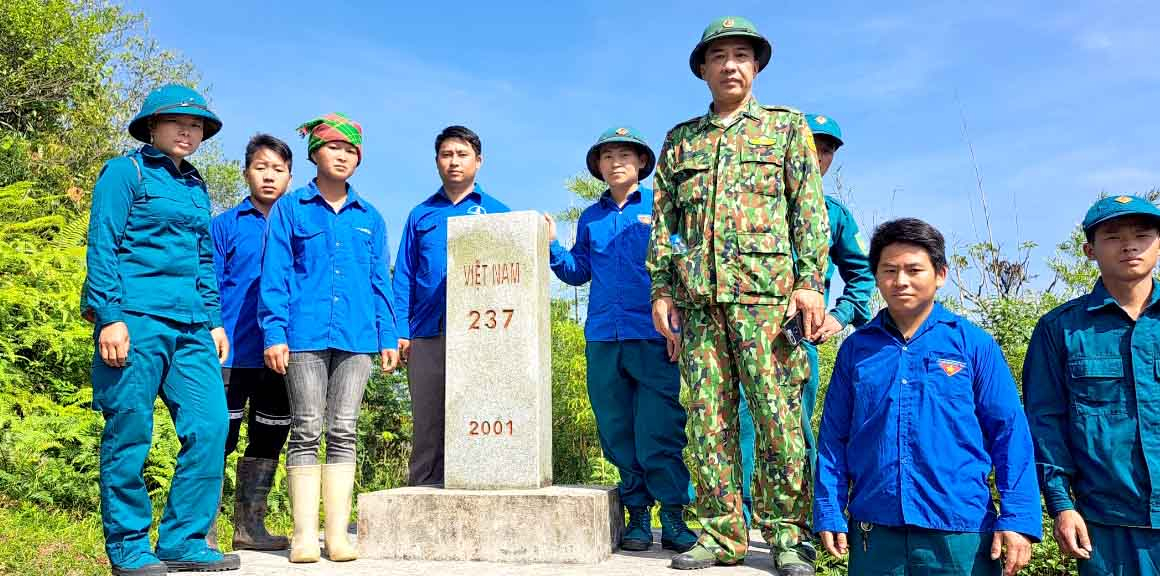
[329, 128]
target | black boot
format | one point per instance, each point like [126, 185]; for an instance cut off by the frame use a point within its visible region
[254, 478]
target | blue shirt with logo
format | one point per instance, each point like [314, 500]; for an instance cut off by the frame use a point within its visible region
[238, 236]
[420, 281]
[325, 278]
[912, 429]
[610, 249]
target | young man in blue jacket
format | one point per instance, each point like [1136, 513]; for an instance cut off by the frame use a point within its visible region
[238, 240]
[921, 409]
[633, 381]
[420, 286]
[1091, 384]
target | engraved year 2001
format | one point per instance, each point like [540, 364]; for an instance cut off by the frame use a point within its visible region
[490, 428]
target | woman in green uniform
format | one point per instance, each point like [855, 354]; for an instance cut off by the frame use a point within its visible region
[152, 296]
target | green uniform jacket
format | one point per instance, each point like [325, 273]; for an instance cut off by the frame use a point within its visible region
[1091, 387]
[746, 201]
[150, 249]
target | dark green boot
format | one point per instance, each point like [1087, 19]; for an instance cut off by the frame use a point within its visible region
[675, 534]
[638, 534]
[796, 561]
[700, 556]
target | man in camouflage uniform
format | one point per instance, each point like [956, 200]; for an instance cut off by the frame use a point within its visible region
[738, 247]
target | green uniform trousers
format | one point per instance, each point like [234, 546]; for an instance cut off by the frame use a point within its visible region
[724, 346]
[179, 363]
[877, 550]
[1122, 551]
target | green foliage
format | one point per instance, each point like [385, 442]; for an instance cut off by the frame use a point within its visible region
[47, 50]
[223, 177]
[49, 451]
[46, 347]
[72, 73]
[384, 433]
[576, 455]
[34, 540]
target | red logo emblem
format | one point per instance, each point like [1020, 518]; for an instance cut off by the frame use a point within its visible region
[951, 367]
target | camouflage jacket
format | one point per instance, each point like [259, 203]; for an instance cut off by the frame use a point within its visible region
[746, 200]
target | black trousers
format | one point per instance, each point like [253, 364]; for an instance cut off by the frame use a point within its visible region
[269, 415]
[426, 370]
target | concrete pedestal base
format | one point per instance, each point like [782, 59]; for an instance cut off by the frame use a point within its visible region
[558, 524]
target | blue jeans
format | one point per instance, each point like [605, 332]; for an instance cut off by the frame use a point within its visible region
[325, 387]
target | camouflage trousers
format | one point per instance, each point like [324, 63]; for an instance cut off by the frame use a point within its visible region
[724, 346]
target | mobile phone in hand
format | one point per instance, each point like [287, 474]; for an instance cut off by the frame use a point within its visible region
[795, 330]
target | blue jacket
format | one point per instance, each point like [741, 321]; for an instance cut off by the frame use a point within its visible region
[238, 237]
[1091, 384]
[421, 267]
[611, 245]
[324, 275]
[848, 258]
[149, 247]
[912, 429]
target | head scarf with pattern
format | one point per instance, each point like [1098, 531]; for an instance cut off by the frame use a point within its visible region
[329, 128]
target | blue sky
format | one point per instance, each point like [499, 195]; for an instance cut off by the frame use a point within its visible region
[1059, 97]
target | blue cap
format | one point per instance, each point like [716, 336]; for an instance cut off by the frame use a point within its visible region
[174, 99]
[1116, 207]
[820, 124]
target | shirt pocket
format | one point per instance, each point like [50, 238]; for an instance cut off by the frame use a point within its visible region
[950, 376]
[1097, 385]
[600, 235]
[639, 235]
[430, 245]
[761, 170]
[765, 266]
[692, 181]
[758, 204]
[308, 241]
[362, 243]
[172, 203]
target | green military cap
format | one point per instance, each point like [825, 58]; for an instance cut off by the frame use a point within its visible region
[626, 135]
[1117, 207]
[725, 27]
[826, 126]
[174, 99]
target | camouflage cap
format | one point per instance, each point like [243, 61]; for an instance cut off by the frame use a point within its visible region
[825, 126]
[1117, 207]
[725, 27]
[626, 135]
